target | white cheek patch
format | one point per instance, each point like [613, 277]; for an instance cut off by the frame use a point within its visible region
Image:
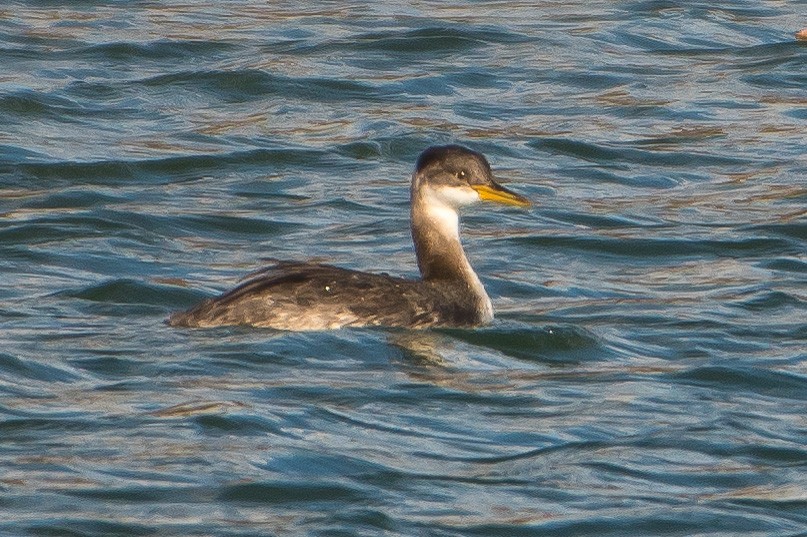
[453, 196]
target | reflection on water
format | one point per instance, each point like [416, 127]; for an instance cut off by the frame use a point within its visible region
[645, 374]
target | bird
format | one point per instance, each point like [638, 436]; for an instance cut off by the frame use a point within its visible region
[305, 296]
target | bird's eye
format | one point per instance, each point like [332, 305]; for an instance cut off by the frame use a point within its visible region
[461, 175]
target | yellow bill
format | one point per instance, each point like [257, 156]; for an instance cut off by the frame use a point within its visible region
[499, 194]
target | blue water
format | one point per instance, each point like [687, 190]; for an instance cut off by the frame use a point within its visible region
[646, 371]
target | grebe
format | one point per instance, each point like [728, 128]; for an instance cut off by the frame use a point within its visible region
[309, 296]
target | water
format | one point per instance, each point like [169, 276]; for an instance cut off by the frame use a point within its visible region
[646, 371]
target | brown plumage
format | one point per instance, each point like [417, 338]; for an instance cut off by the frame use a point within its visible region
[309, 296]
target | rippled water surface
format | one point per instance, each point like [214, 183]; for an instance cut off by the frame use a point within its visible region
[645, 374]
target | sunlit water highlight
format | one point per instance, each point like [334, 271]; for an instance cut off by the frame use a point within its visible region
[645, 374]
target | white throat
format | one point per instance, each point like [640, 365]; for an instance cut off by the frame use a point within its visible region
[436, 231]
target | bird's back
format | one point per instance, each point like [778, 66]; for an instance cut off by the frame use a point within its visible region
[308, 296]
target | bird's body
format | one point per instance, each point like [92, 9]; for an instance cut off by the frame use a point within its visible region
[309, 296]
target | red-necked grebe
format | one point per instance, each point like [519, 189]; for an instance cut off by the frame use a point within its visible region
[309, 296]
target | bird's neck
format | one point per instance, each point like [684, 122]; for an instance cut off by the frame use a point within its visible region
[441, 259]
[436, 234]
